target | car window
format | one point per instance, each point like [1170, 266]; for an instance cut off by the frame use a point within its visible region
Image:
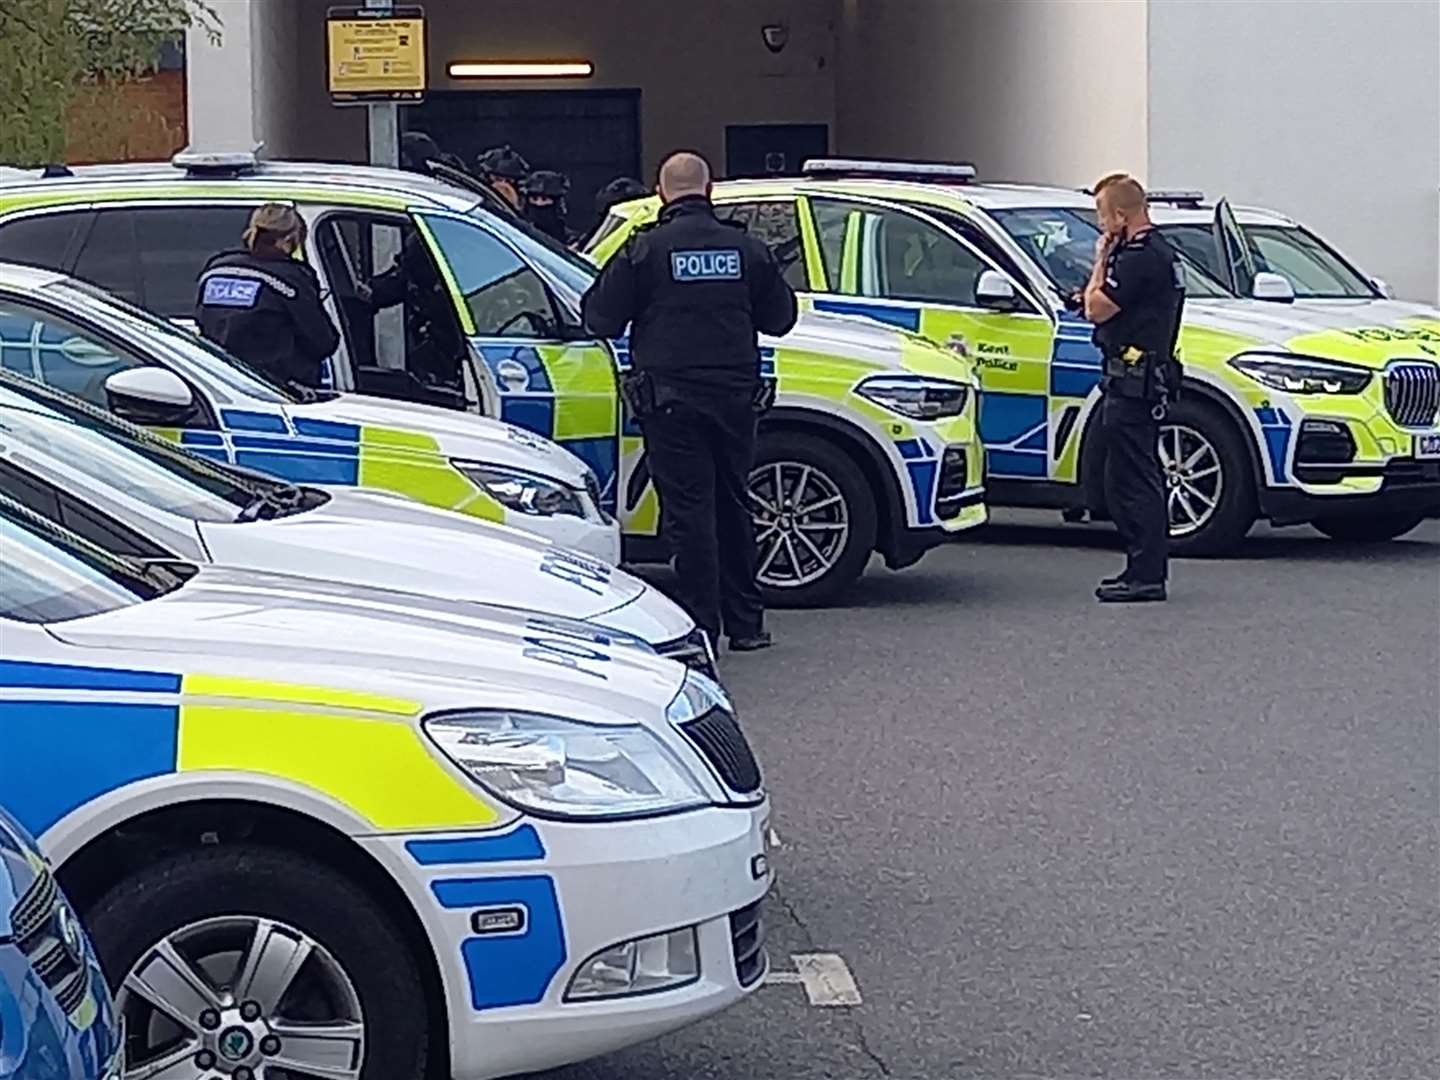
[58, 353]
[831, 219]
[108, 257]
[44, 240]
[777, 224]
[49, 578]
[1198, 242]
[48, 501]
[906, 258]
[174, 245]
[142, 466]
[505, 296]
[1313, 268]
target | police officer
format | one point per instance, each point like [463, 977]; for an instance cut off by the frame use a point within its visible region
[695, 290]
[545, 191]
[1134, 298]
[504, 170]
[263, 305]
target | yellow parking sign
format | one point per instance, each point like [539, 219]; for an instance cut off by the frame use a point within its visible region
[376, 54]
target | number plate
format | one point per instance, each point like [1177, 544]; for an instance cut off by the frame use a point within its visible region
[1427, 447]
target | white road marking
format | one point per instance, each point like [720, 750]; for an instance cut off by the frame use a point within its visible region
[825, 977]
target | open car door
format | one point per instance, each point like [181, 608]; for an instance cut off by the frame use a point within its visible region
[1236, 258]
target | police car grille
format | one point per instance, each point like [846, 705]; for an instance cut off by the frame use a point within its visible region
[1412, 393]
[747, 936]
[720, 739]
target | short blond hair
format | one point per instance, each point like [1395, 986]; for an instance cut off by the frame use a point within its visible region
[1121, 190]
[273, 223]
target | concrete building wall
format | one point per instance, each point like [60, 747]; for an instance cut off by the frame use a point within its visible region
[1327, 110]
[700, 65]
[1041, 90]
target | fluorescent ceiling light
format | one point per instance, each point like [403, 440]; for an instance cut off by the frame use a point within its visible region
[521, 69]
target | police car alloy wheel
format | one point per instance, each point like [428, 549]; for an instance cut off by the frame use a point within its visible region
[814, 518]
[1194, 478]
[250, 963]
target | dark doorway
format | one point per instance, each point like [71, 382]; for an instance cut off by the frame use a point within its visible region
[773, 149]
[592, 136]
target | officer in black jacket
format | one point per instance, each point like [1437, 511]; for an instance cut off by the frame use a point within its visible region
[695, 291]
[1134, 298]
[263, 305]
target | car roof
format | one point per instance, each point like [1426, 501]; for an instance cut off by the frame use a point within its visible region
[21, 278]
[354, 179]
[1204, 214]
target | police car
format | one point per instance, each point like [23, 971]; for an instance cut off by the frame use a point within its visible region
[1292, 414]
[115, 356]
[57, 1021]
[136, 494]
[326, 831]
[873, 445]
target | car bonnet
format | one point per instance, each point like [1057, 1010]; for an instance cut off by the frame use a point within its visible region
[436, 653]
[1353, 334]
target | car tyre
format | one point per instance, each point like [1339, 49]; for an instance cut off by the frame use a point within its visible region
[248, 882]
[834, 513]
[1370, 529]
[1235, 507]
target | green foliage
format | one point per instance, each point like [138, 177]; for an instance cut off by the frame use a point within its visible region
[56, 52]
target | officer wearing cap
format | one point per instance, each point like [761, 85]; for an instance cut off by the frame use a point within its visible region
[695, 291]
[1134, 297]
[263, 305]
[545, 191]
[504, 170]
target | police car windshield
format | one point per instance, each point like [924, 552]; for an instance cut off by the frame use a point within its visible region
[1061, 241]
[58, 438]
[178, 344]
[52, 575]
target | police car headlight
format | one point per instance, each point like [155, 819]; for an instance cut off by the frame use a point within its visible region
[915, 396]
[564, 768]
[524, 492]
[699, 695]
[1303, 374]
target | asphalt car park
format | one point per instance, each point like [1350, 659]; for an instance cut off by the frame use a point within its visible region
[1056, 840]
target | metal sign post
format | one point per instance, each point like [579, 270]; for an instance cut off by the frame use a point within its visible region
[384, 117]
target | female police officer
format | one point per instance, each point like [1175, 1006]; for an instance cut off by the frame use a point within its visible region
[263, 305]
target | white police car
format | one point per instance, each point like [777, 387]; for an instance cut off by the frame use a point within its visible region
[323, 831]
[136, 494]
[78, 339]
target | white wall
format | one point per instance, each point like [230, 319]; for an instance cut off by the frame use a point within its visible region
[1039, 90]
[1328, 110]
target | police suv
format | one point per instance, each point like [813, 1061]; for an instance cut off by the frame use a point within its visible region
[873, 444]
[1292, 413]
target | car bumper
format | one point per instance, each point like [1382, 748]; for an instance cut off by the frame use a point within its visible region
[1399, 485]
[602, 884]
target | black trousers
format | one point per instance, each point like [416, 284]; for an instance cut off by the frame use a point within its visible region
[700, 455]
[1135, 487]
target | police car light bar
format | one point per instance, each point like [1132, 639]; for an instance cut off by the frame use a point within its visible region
[1194, 198]
[198, 162]
[958, 173]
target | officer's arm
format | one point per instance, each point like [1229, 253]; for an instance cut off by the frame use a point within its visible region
[1122, 286]
[772, 302]
[608, 306]
[314, 331]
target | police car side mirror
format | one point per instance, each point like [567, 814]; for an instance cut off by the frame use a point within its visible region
[1273, 287]
[149, 395]
[1383, 288]
[994, 291]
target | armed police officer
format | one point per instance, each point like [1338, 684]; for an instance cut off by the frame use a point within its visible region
[1134, 298]
[263, 304]
[545, 192]
[695, 292]
[504, 170]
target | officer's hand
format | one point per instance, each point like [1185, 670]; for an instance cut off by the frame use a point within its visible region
[364, 292]
[1103, 243]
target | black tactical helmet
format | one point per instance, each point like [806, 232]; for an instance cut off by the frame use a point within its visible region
[501, 162]
[547, 183]
[621, 189]
[417, 150]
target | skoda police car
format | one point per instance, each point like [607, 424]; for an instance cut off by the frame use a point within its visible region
[133, 493]
[57, 1021]
[1290, 413]
[113, 355]
[873, 444]
[327, 831]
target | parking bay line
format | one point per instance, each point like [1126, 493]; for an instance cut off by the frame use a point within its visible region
[826, 978]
